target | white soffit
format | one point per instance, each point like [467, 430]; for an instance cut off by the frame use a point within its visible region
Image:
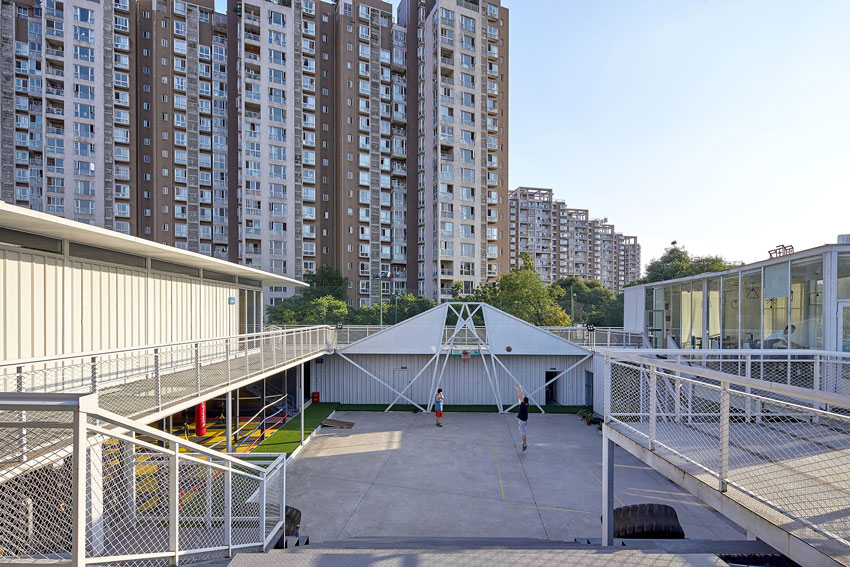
[422, 334]
[510, 335]
[34, 222]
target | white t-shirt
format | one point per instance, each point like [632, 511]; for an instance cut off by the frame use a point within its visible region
[776, 336]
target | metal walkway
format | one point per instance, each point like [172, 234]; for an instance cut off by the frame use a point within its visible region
[761, 454]
[152, 382]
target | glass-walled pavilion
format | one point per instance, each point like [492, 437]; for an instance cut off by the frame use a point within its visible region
[801, 300]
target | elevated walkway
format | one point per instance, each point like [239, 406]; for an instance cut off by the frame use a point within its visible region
[761, 453]
[152, 382]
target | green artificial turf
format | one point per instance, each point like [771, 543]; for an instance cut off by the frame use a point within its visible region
[287, 438]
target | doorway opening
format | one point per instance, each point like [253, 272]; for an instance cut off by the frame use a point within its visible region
[552, 389]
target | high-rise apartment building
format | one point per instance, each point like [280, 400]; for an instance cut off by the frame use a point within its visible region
[281, 134]
[566, 242]
[457, 66]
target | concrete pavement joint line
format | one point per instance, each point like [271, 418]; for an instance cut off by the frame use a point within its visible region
[531, 490]
[372, 484]
[416, 488]
[588, 470]
[495, 458]
[555, 509]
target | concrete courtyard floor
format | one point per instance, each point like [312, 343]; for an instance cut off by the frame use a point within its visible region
[396, 474]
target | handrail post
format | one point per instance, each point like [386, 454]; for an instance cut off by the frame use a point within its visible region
[816, 384]
[174, 504]
[262, 352]
[78, 497]
[677, 388]
[607, 387]
[209, 495]
[94, 374]
[653, 384]
[227, 357]
[228, 509]
[724, 436]
[747, 389]
[22, 415]
[157, 378]
[283, 493]
[263, 483]
[198, 367]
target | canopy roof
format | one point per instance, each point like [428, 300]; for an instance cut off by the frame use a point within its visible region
[33, 222]
[431, 332]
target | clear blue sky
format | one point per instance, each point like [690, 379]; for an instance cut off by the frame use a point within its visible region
[722, 124]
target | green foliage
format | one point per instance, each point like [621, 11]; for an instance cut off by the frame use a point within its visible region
[676, 262]
[326, 281]
[523, 294]
[324, 303]
[591, 304]
[396, 309]
[327, 310]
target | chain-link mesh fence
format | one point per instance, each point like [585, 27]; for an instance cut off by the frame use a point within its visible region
[143, 496]
[787, 455]
[36, 477]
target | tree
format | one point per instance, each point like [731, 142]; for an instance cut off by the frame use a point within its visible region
[326, 281]
[589, 297]
[523, 294]
[676, 262]
[280, 314]
[457, 290]
[327, 310]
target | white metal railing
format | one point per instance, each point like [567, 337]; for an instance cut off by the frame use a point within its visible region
[820, 370]
[603, 337]
[149, 380]
[784, 449]
[81, 485]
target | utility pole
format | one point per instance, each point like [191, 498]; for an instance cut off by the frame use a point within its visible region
[572, 305]
[380, 277]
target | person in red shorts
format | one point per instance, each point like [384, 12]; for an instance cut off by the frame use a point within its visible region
[438, 406]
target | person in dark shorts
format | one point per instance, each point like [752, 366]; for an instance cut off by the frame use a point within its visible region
[522, 416]
[438, 406]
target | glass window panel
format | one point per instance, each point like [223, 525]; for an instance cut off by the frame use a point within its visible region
[807, 304]
[676, 316]
[730, 312]
[657, 317]
[696, 315]
[686, 316]
[844, 276]
[775, 305]
[713, 322]
[776, 280]
[751, 309]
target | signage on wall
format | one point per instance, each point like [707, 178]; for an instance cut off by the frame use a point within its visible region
[231, 301]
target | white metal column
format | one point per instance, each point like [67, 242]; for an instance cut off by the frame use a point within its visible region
[607, 488]
[228, 419]
[301, 397]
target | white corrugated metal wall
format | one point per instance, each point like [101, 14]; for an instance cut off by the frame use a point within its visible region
[55, 305]
[338, 380]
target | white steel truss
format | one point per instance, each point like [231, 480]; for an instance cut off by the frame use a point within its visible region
[431, 333]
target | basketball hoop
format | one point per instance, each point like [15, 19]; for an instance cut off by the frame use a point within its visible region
[465, 356]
